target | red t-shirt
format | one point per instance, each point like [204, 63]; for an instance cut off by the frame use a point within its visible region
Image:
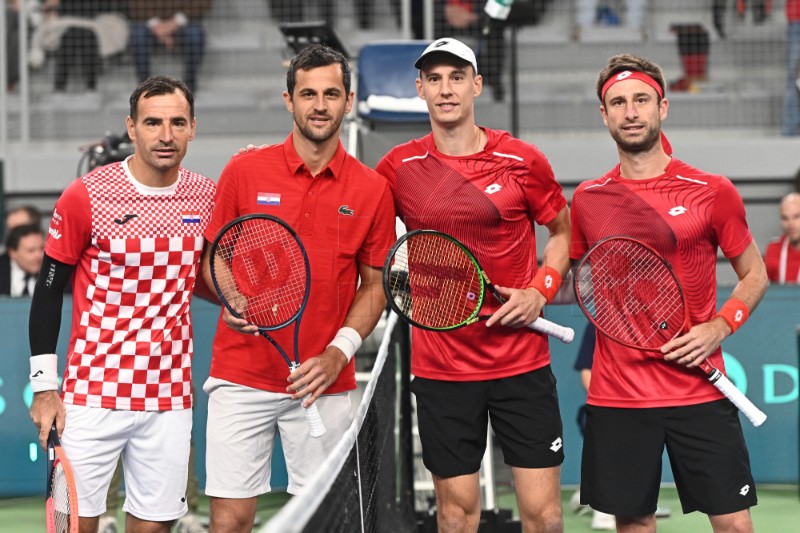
[344, 217]
[685, 214]
[791, 263]
[489, 201]
[137, 252]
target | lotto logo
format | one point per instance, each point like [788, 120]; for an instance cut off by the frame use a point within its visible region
[744, 490]
[738, 316]
[624, 74]
[493, 188]
[557, 444]
[548, 281]
[678, 210]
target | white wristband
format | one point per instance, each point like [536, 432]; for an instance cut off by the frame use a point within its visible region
[44, 372]
[153, 22]
[348, 341]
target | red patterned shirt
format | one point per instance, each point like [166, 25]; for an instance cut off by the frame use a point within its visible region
[137, 251]
[489, 201]
[686, 215]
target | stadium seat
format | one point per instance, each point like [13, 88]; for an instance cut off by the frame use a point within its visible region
[386, 91]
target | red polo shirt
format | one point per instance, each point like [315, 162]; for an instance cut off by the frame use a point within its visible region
[344, 216]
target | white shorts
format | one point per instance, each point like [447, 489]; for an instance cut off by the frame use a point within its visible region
[155, 459]
[240, 433]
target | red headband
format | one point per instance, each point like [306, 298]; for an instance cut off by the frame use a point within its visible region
[631, 75]
[641, 76]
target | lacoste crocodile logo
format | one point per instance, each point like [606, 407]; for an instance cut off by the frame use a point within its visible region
[346, 211]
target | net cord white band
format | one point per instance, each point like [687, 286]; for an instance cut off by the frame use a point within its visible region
[294, 516]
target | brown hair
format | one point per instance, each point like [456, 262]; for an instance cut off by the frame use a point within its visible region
[622, 62]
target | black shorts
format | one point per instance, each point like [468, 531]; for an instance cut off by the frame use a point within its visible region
[622, 450]
[453, 416]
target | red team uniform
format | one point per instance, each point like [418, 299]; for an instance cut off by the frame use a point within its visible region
[137, 252]
[347, 192]
[487, 201]
[783, 261]
[685, 214]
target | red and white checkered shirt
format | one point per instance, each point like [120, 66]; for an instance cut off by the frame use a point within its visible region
[137, 252]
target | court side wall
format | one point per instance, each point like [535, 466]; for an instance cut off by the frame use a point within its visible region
[762, 360]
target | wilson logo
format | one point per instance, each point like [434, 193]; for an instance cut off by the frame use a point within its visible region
[678, 210]
[54, 233]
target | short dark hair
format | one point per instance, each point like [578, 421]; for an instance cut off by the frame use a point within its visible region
[623, 62]
[18, 233]
[158, 86]
[33, 213]
[314, 56]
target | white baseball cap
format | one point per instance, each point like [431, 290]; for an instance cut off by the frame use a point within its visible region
[451, 46]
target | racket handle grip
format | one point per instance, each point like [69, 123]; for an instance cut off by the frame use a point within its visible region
[562, 333]
[737, 398]
[315, 425]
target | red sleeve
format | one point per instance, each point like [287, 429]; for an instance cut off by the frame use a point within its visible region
[543, 193]
[578, 245]
[728, 220]
[70, 229]
[386, 167]
[226, 201]
[381, 233]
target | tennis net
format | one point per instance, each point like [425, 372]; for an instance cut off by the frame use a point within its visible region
[366, 484]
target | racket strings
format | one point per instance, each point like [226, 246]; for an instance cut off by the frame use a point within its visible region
[434, 282]
[631, 294]
[62, 500]
[260, 269]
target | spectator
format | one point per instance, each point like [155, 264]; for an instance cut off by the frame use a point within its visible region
[22, 214]
[466, 19]
[175, 25]
[12, 44]
[783, 254]
[791, 98]
[20, 264]
[590, 13]
[80, 33]
[694, 44]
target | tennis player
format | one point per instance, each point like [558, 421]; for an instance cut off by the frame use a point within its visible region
[487, 189]
[343, 214]
[639, 402]
[132, 234]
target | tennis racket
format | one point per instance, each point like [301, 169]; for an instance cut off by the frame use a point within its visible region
[631, 294]
[61, 497]
[434, 282]
[261, 273]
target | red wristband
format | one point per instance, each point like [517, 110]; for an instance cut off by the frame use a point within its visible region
[735, 313]
[547, 281]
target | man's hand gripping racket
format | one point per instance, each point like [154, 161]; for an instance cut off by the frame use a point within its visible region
[261, 273]
[434, 282]
[630, 293]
